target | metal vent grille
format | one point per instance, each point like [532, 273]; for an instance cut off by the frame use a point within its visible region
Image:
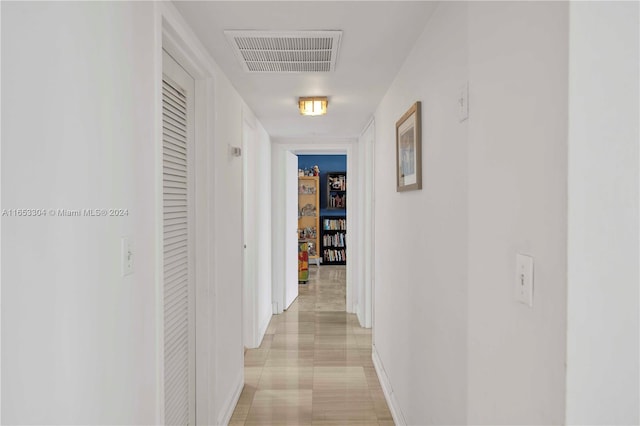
[294, 51]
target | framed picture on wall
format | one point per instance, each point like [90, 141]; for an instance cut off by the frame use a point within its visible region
[409, 150]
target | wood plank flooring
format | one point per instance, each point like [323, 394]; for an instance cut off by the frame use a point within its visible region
[314, 365]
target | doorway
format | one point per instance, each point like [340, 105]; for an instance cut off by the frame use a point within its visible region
[184, 232]
[323, 189]
[281, 149]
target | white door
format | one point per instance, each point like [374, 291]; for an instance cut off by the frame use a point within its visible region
[291, 226]
[249, 258]
[178, 254]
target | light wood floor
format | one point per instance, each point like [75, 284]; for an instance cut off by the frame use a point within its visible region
[314, 365]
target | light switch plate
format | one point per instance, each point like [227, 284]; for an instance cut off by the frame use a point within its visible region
[463, 102]
[523, 283]
[127, 256]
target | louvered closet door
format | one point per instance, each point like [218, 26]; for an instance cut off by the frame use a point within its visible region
[179, 345]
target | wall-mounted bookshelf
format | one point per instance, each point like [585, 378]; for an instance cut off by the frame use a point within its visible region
[334, 240]
[337, 190]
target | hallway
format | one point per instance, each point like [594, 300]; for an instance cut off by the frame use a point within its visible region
[314, 365]
[144, 231]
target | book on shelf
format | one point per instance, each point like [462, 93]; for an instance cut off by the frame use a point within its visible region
[336, 190]
[331, 255]
[334, 240]
[337, 200]
[335, 224]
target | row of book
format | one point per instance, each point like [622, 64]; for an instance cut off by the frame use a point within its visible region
[337, 201]
[335, 224]
[335, 255]
[335, 240]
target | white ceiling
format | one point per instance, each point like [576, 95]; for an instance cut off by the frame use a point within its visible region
[377, 37]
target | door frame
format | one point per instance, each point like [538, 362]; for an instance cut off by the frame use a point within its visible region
[346, 147]
[291, 229]
[366, 146]
[173, 35]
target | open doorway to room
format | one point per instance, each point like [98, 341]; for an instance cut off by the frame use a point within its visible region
[358, 217]
[322, 231]
[286, 228]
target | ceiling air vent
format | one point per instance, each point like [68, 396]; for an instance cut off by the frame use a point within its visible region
[284, 52]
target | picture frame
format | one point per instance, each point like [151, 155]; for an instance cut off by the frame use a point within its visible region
[409, 150]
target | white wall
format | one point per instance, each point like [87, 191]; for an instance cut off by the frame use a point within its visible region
[278, 220]
[602, 341]
[518, 73]
[364, 262]
[263, 214]
[80, 92]
[493, 186]
[228, 260]
[78, 132]
[420, 323]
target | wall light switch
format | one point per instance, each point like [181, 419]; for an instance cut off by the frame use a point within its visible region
[127, 256]
[463, 102]
[523, 284]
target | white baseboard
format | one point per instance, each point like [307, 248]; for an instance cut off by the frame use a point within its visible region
[394, 407]
[227, 409]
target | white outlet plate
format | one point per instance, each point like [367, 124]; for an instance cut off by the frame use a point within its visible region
[523, 280]
[127, 256]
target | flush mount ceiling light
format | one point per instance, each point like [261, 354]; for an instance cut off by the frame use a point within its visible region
[316, 105]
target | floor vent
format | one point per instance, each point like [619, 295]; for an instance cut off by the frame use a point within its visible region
[285, 52]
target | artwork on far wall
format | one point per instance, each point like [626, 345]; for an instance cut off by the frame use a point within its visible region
[409, 150]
